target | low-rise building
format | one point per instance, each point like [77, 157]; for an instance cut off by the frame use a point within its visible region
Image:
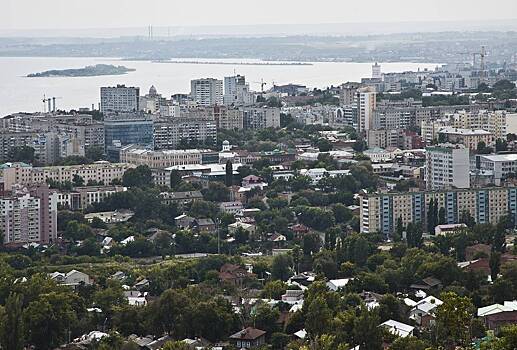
[180, 197]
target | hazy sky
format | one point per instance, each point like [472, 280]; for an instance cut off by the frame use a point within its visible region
[60, 14]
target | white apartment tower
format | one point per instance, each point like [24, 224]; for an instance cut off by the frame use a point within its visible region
[207, 91]
[376, 71]
[237, 91]
[366, 100]
[447, 166]
[120, 99]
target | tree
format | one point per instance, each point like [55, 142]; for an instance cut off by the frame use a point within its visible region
[408, 343]
[228, 180]
[501, 145]
[495, 264]
[442, 219]
[324, 145]
[216, 192]
[94, 153]
[176, 345]
[21, 154]
[482, 148]
[11, 324]
[318, 318]
[175, 179]
[367, 333]
[274, 290]
[77, 180]
[141, 176]
[265, 318]
[48, 319]
[281, 267]
[453, 319]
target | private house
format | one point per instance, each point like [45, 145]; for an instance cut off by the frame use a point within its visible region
[398, 328]
[183, 221]
[72, 278]
[423, 313]
[496, 316]
[203, 225]
[233, 274]
[292, 296]
[181, 198]
[335, 285]
[232, 228]
[248, 338]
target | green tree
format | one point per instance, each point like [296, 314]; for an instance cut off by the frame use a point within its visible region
[175, 179]
[318, 318]
[176, 345]
[367, 333]
[77, 180]
[228, 180]
[141, 176]
[21, 154]
[408, 343]
[281, 267]
[11, 324]
[274, 290]
[453, 319]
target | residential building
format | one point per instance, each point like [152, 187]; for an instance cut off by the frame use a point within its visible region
[231, 207]
[256, 118]
[111, 217]
[237, 91]
[29, 216]
[468, 137]
[228, 119]
[207, 91]
[497, 166]
[170, 133]
[382, 138]
[83, 197]
[447, 166]
[491, 121]
[398, 329]
[98, 172]
[347, 93]
[380, 212]
[120, 99]
[180, 197]
[248, 338]
[366, 103]
[10, 140]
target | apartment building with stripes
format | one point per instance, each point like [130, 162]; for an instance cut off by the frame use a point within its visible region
[379, 212]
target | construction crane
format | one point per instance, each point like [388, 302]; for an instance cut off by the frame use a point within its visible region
[262, 84]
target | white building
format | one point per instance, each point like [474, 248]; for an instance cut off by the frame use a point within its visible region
[207, 91]
[366, 104]
[159, 159]
[261, 117]
[447, 166]
[237, 91]
[398, 328]
[376, 71]
[498, 165]
[120, 99]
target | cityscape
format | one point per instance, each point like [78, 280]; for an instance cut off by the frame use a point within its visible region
[236, 199]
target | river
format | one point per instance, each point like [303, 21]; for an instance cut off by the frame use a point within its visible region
[21, 94]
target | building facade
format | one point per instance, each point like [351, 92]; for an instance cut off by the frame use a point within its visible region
[120, 131]
[207, 91]
[379, 212]
[447, 166]
[261, 118]
[120, 99]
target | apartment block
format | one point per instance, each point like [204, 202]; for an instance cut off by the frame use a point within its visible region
[83, 197]
[256, 118]
[168, 134]
[228, 119]
[120, 98]
[379, 212]
[25, 174]
[207, 91]
[470, 138]
[447, 166]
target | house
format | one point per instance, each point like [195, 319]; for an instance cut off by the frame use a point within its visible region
[335, 285]
[232, 228]
[427, 283]
[251, 180]
[119, 276]
[231, 207]
[181, 198]
[398, 328]
[371, 299]
[278, 239]
[292, 296]
[248, 338]
[111, 217]
[496, 316]
[233, 274]
[204, 225]
[72, 278]
[141, 284]
[136, 298]
[448, 228]
[299, 230]
[183, 221]
[423, 313]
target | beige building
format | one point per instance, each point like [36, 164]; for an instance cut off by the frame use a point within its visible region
[491, 121]
[379, 212]
[83, 197]
[160, 159]
[24, 174]
[228, 119]
[470, 138]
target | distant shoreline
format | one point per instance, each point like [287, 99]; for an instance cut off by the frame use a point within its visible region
[236, 63]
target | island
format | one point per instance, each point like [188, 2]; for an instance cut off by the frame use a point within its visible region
[88, 71]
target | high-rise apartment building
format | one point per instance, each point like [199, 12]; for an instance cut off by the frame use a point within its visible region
[227, 118]
[237, 91]
[207, 91]
[366, 103]
[120, 99]
[447, 166]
